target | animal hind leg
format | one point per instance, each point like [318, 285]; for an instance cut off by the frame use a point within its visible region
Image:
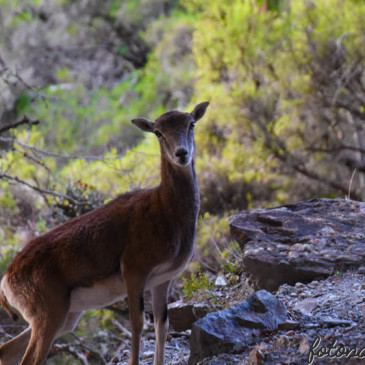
[46, 324]
[41, 340]
[12, 351]
[70, 324]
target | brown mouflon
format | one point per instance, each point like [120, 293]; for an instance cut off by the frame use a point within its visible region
[138, 241]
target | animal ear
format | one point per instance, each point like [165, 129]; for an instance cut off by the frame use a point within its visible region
[199, 110]
[143, 123]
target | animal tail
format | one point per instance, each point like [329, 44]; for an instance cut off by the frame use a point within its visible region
[5, 305]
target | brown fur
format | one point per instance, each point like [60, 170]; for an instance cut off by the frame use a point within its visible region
[5, 305]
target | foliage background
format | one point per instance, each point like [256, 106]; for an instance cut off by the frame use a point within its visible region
[285, 80]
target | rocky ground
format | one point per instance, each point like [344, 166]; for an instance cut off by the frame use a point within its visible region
[320, 320]
[332, 309]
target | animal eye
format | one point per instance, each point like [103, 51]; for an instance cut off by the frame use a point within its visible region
[192, 125]
[158, 134]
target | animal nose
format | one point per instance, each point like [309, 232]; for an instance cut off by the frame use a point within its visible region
[181, 152]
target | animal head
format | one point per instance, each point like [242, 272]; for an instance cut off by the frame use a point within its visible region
[175, 133]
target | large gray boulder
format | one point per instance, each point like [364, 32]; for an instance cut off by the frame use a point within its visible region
[235, 328]
[300, 242]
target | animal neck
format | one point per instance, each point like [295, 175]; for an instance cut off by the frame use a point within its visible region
[179, 187]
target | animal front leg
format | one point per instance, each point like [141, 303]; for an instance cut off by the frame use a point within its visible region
[161, 321]
[135, 289]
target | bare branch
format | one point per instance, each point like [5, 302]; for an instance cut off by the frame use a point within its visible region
[37, 161]
[40, 190]
[69, 349]
[354, 164]
[9, 76]
[64, 155]
[335, 149]
[91, 350]
[123, 330]
[280, 151]
[24, 120]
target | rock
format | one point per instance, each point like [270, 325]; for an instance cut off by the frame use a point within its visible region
[334, 322]
[361, 270]
[288, 325]
[256, 357]
[304, 346]
[147, 354]
[235, 328]
[300, 242]
[307, 305]
[183, 315]
[282, 341]
[220, 281]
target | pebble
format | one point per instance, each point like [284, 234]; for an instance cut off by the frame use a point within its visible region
[256, 357]
[147, 354]
[333, 322]
[306, 306]
[288, 325]
[304, 346]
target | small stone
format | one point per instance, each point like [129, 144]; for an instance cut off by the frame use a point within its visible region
[333, 322]
[306, 306]
[256, 357]
[282, 342]
[311, 325]
[220, 280]
[361, 270]
[299, 285]
[147, 354]
[288, 325]
[304, 346]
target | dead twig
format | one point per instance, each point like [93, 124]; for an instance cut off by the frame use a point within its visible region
[38, 151]
[58, 348]
[89, 349]
[123, 330]
[12, 77]
[24, 120]
[40, 190]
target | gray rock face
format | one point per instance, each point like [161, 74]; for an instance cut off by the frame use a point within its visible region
[297, 243]
[235, 328]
